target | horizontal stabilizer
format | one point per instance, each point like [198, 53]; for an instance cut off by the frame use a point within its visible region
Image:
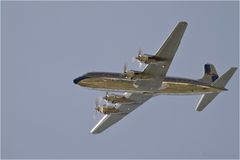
[219, 83]
[222, 81]
[205, 100]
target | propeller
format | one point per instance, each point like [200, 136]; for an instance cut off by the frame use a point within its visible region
[135, 59]
[97, 102]
[125, 93]
[95, 114]
[140, 64]
[125, 68]
[140, 51]
[106, 94]
[105, 98]
[96, 110]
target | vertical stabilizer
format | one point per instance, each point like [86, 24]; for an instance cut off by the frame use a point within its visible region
[210, 74]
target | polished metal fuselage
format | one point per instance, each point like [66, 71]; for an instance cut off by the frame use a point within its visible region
[118, 83]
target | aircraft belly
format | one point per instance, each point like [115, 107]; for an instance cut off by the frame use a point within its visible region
[128, 86]
[108, 84]
[185, 88]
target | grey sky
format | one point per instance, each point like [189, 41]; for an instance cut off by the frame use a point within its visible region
[45, 45]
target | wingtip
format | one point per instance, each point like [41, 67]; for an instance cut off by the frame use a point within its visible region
[198, 109]
[183, 22]
[233, 69]
[93, 131]
[225, 89]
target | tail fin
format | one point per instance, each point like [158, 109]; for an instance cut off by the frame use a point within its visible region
[210, 74]
[220, 83]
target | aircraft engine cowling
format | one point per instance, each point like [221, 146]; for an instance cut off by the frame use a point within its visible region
[114, 98]
[129, 74]
[134, 75]
[148, 59]
[106, 109]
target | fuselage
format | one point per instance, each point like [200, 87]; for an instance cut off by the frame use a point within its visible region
[116, 82]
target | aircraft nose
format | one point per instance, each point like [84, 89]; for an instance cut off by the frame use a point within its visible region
[77, 80]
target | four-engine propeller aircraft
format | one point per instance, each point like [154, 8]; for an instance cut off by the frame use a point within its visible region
[141, 86]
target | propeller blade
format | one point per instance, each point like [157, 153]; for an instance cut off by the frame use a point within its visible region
[134, 60]
[105, 100]
[140, 51]
[98, 101]
[95, 114]
[140, 64]
[101, 100]
[106, 97]
[125, 68]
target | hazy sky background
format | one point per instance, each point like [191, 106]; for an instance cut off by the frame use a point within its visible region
[45, 45]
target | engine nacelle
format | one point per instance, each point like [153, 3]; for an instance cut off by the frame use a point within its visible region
[107, 109]
[136, 75]
[113, 98]
[147, 59]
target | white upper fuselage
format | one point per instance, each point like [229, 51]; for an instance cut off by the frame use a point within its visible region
[118, 83]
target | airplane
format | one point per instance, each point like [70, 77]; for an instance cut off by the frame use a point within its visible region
[140, 86]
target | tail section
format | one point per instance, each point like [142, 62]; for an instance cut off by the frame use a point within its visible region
[222, 81]
[218, 82]
[205, 100]
[210, 74]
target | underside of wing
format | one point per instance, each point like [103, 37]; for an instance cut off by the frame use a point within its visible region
[106, 122]
[125, 109]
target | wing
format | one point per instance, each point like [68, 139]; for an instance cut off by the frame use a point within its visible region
[125, 109]
[167, 52]
[159, 70]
